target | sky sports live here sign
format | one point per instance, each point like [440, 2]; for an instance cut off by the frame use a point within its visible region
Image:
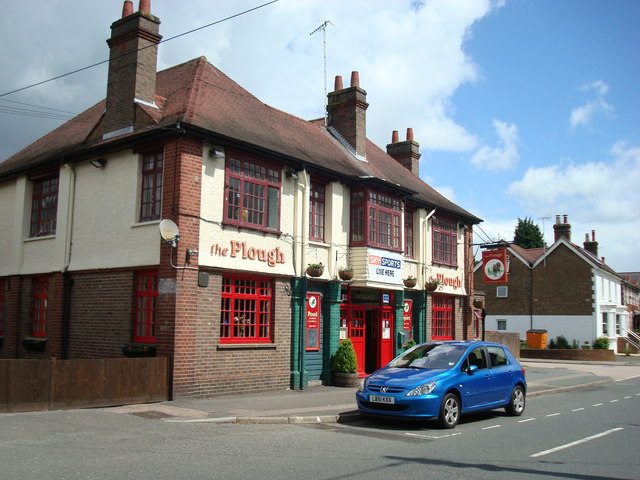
[385, 267]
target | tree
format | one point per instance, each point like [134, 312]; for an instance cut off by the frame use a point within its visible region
[527, 234]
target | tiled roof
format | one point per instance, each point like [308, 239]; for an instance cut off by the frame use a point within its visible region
[197, 94]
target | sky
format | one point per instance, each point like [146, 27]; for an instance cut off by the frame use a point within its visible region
[522, 108]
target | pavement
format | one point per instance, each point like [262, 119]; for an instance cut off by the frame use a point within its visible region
[328, 404]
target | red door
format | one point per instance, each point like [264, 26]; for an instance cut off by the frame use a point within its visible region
[356, 332]
[386, 337]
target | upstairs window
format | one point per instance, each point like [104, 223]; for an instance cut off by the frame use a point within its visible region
[316, 212]
[144, 328]
[252, 193]
[408, 233]
[40, 307]
[445, 241]
[375, 219]
[44, 206]
[151, 202]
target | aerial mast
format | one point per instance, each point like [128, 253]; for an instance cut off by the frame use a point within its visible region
[323, 28]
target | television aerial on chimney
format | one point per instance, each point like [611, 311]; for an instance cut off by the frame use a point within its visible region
[323, 28]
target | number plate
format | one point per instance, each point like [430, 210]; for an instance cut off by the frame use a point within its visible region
[381, 399]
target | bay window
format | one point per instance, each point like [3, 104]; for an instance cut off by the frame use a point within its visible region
[445, 241]
[375, 219]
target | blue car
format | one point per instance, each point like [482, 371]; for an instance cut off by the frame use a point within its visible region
[444, 380]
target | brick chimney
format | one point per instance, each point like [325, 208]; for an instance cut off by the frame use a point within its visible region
[133, 53]
[591, 246]
[407, 153]
[562, 229]
[346, 113]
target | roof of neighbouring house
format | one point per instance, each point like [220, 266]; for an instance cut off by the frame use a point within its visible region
[199, 95]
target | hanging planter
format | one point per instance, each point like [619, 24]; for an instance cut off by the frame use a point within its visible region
[315, 269]
[345, 274]
[410, 281]
[138, 350]
[431, 286]
[478, 303]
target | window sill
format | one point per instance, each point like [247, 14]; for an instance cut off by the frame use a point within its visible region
[43, 237]
[146, 223]
[247, 346]
[240, 227]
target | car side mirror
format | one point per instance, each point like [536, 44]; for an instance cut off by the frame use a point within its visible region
[472, 369]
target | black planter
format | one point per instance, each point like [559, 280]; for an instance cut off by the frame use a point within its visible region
[34, 344]
[137, 351]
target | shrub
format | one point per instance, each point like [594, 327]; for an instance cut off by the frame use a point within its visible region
[409, 344]
[345, 361]
[575, 345]
[562, 342]
[552, 344]
[601, 343]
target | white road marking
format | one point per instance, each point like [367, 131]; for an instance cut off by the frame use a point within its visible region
[526, 420]
[432, 437]
[577, 442]
[492, 426]
[553, 415]
[578, 409]
[613, 401]
[627, 397]
[597, 405]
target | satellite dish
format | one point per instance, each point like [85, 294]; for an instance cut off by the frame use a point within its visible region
[169, 232]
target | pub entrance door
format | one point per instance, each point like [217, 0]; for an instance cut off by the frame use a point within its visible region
[370, 329]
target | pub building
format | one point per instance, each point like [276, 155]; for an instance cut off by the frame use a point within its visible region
[266, 212]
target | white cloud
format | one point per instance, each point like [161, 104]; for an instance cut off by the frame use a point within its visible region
[584, 115]
[503, 157]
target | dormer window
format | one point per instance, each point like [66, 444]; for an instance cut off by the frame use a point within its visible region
[376, 219]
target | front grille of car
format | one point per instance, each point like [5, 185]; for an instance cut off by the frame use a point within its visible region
[378, 388]
[385, 407]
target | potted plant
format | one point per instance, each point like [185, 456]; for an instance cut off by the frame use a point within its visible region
[478, 302]
[345, 273]
[139, 350]
[431, 285]
[410, 281]
[345, 365]
[315, 269]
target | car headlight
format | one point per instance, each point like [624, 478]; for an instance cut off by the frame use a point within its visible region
[422, 389]
[362, 385]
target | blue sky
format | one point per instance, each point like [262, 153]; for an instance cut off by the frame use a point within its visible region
[523, 108]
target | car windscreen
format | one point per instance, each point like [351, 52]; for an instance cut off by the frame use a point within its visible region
[432, 355]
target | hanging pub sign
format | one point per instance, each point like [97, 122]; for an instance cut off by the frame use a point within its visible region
[313, 321]
[494, 266]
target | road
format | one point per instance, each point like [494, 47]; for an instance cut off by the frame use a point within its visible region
[585, 434]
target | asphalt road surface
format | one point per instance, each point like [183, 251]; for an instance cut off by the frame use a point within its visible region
[585, 434]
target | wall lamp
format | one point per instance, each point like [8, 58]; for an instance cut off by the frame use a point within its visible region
[98, 162]
[215, 153]
[292, 174]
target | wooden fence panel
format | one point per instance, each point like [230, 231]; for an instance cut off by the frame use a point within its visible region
[27, 385]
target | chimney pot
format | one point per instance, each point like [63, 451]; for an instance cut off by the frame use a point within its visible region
[338, 83]
[565, 218]
[394, 136]
[593, 235]
[355, 79]
[410, 134]
[145, 6]
[557, 218]
[127, 8]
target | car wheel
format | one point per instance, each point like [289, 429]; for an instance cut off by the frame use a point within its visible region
[517, 402]
[449, 411]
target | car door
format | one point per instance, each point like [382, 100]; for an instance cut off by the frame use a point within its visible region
[477, 385]
[502, 373]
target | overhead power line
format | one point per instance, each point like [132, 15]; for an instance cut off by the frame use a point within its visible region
[162, 41]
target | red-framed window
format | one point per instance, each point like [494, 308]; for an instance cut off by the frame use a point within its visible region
[246, 311]
[316, 212]
[144, 327]
[2, 305]
[44, 206]
[375, 219]
[408, 233]
[252, 193]
[151, 201]
[442, 318]
[40, 307]
[445, 241]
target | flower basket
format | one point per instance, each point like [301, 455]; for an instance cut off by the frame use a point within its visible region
[345, 274]
[431, 286]
[410, 282]
[478, 303]
[315, 270]
[136, 351]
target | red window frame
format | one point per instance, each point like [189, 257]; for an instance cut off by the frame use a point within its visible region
[408, 233]
[144, 323]
[2, 306]
[40, 307]
[316, 211]
[442, 325]
[44, 206]
[151, 196]
[445, 241]
[246, 310]
[252, 196]
[375, 220]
